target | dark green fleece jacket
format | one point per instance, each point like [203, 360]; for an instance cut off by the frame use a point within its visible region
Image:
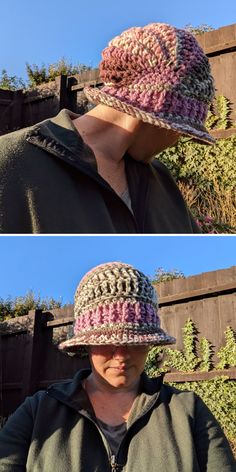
[167, 431]
[49, 184]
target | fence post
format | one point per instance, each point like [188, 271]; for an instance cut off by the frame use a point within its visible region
[32, 354]
[16, 110]
[61, 82]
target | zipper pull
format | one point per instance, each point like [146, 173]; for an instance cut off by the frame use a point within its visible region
[113, 463]
[114, 466]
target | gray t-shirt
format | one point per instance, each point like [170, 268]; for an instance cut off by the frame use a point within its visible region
[125, 196]
[113, 434]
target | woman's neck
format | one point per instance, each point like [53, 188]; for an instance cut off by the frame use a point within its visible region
[109, 134]
[111, 405]
[95, 384]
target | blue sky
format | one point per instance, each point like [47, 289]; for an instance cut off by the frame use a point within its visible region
[53, 266]
[43, 32]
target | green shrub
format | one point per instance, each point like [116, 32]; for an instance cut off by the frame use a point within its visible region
[227, 353]
[20, 306]
[219, 393]
[195, 356]
[10, 82]
[206, 175]
[162, 275]
[42, 74]
[201, 164]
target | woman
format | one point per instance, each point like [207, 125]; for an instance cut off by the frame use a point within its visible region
[113, 417]
[96, 173]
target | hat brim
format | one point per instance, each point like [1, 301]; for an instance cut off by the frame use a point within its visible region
[200, 134]
[119, 337]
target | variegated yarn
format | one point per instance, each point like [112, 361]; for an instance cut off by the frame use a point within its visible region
[116, 304]
[160, 75]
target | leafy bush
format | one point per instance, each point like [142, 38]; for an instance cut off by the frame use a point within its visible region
[219, 393]
[200, 29]
[162, 275]
[196, 354]
[10, 82]
[19, 306]
[206, 175]
[227, 353]
[42, 74]
[201, 164]
[38, 75]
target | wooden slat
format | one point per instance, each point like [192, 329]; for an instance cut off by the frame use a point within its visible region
[12, 385]
[5, 101]
[217, 49]
[38, 98]
[216, 289]
[60, 322]
[196, 376]
[223, 133]
[9, 331]
[81, 85]
[18, 325]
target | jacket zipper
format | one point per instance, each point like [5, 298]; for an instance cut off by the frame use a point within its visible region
[114, 466]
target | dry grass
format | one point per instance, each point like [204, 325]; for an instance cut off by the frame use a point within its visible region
[217, 203]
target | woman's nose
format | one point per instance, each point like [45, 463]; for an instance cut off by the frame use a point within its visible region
[120, 352]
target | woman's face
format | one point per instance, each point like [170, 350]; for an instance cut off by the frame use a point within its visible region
[118, 366]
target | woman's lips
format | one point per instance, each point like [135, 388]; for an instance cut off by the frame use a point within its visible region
[120, 368]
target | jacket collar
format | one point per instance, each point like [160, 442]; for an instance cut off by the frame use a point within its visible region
[59, 137]
[73, 395]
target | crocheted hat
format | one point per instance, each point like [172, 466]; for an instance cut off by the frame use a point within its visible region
[116, 304]
[160, 75]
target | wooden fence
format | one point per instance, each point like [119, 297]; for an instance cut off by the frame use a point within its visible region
[24, 108]
[19, 109]
[30, 359]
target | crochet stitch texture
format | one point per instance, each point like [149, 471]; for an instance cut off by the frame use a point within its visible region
[160, 75]
[116, 304]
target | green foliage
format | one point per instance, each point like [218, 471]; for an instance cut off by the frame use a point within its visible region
[38, 75]
[195, 356]
[162, 275]
[206, 353]
[227, 354]
[10, 82]
[154, 357]
[183, 361]
[190, 340]
[19, 306]
[201, 164]
[219, 114]
[219, 395]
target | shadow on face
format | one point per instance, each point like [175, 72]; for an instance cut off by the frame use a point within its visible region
[119, 366]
